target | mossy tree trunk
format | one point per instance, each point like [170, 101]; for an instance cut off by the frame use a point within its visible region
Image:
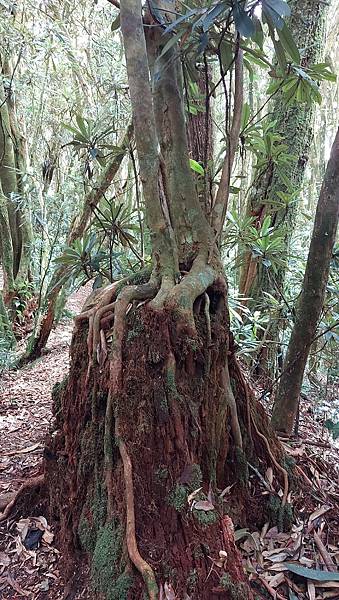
[312, 296]
[6, 334]
[15, 226]
[295, 124]
[155, 414]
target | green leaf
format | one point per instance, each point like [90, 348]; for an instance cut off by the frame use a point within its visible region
[174, 24]
[246, 111]
[280, 54]
[170, 43]
[314, 574]
[78, 135]
[236, 315]
[265, 225]
[212, 14]
[289, 44]
[116, 23]
[226, 55]
[195, 166]
[81, 124]
[234, 190]
[251, 55]
[258, 36]
[249, 67]
[322, 71]
[243, 22]
[279, 6]
[273, 16]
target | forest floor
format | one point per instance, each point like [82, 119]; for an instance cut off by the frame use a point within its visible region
[25, 416]
[312, 543]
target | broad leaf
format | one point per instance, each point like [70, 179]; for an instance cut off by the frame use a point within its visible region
[279, 6]
[116, 23]
[315, 574]
[195, 166]
[243, 22]
[289, 43]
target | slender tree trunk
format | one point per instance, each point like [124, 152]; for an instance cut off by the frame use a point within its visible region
[6, 249]
[6, 334]
[44, 327]
[200, 135]
[312, 296]
[12, 167]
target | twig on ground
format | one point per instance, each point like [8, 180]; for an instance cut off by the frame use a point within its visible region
[30, 484]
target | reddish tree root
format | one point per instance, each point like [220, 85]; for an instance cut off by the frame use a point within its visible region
[28, 485]
[251, 421]
[141, 565]
[275, 462]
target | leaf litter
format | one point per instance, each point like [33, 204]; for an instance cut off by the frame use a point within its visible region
[28, 556]
[301, 563]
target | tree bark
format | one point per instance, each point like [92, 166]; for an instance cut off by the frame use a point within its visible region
[295, 124]
[312, 296]
[12, 167]
[200, 136]
[6, 333]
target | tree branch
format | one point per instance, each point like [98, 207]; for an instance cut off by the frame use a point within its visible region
[115, 3]
[222, 195]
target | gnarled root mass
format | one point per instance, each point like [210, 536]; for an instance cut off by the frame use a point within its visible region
[147, 440]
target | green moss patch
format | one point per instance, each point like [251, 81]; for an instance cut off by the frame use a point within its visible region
[236, 590]
[106, 570]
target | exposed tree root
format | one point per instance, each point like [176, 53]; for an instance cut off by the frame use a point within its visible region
[103, 355]
[247, 396]
[275, 462]
[126, 296]
[178, 301]
[100, 312]
[207, 317]
[235, 426]
[250, 422]
[28, 485]
[141, 565]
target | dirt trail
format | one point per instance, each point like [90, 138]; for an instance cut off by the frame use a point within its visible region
[25, 415]
[25, 402]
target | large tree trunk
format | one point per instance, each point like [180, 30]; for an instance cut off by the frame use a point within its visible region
[200, 135]
[312, 296]
[295, 124]
[168, 420]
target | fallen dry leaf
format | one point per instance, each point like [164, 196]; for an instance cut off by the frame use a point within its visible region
[203, 505]
[4, 559]
[318, 513]
[23, 450]
[169, 591]
[17, 587]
